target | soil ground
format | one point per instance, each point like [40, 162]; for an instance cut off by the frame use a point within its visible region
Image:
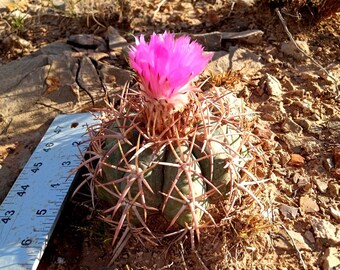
[247, 240]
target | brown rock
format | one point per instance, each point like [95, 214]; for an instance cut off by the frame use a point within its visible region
[337, 173]
[284, 241]
[6, 149]
[210, 41]
[288, 211]
[315, 88]
[288, 85]
[115, 39]
[305, 184]
[264, 133]
[334, 189]
[245, 61]
[114, 78]
[14, 41]
[290, 49]
[248, 36]
[271, 111]
[296, 160]
[331, 261]
[335, 214]
[304, 123]
[309, 75]
[86, 40]
[323, 201]
[219, 64]
[309, 236]
[325, 231]
[308, 205]
[273, 86]
[336, 154]
[290, 126]
[293, 141]
[311, 145]
[88, 77]
[322, 185]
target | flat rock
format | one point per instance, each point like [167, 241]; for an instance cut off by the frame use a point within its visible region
[56, 48]
[88, 77]
[336, 155]
[33, 90]
[304, 123]
[316, 129]
[331, 259]
[311, 145]
[334, 189]
[116, 41]
[284, 242]
[272, 111]
[273, 86]
[241, 60]
[304, 184]
[308, 205]
[113, 76]
[13, 73]
[288, 211]
[219, 64]
[59, 4]
[309, 236]
[325, 231]
[210, 41]
[321, 185]
[60, 81]
[87, 41]
[296, 160]
[310, 76]
[253, 36]
[293, 141]
[290, 49]
[289, 125]
[245, 61]
[334, 127]
[335, 214]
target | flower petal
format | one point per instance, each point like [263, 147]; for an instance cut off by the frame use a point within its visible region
[166, 65]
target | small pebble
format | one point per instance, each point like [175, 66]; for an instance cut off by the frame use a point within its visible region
[296, 160]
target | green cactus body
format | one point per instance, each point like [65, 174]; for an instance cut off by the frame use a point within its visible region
[226, 146]
[115, 158]
[172, 207]
[145, 172]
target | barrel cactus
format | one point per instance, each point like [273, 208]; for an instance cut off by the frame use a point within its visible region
[166, 150]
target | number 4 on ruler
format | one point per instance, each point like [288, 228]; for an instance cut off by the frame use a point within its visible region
[31, 209]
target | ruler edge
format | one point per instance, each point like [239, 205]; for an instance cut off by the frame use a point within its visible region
[92, 118]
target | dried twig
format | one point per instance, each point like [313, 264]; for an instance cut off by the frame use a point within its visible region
[158, 8]
[200, 261]
[297, 250]
[167, 266]
[305, 54]
[182, 256]
[231, 9]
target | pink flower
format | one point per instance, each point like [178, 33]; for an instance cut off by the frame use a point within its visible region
[166, 66]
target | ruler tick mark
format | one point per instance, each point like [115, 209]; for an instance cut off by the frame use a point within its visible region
[32, 207]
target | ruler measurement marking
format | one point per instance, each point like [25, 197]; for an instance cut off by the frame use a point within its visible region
[29, 213]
